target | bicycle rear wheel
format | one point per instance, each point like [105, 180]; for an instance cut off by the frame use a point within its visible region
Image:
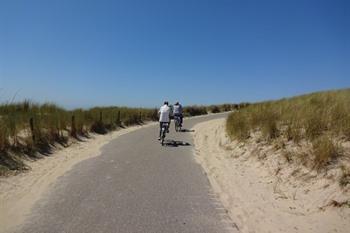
[163, 136]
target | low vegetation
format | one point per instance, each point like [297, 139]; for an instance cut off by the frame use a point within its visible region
[195, 110]
[226, 107]
[320, 120]
[27, 128]
[345, 178]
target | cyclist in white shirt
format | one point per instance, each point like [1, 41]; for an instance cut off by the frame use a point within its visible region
[164, 117]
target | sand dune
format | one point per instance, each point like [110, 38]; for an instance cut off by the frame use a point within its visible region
[263, 193]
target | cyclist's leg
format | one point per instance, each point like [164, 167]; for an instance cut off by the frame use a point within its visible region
[160, 129]
[178, 118]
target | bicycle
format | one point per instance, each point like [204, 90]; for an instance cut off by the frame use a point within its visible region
[177, 120]
[164, 130]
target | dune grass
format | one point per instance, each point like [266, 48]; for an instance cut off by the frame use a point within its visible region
[27, 127]
[49, 122]
[319, 118]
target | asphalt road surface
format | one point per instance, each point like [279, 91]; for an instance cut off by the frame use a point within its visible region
[136, 185]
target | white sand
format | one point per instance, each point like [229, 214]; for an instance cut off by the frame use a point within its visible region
[19, 193]
[264, 193]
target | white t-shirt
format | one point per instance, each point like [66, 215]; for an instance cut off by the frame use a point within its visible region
[164, 113]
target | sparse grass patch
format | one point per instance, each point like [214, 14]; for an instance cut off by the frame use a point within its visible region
[288, 155]
[10, 163]
[345, 178]
[237, 127]
[324, 150]
[337, 204]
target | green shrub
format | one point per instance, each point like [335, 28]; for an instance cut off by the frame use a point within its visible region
[226, 107]
[195, 110]
[98, 127]
[215, 109]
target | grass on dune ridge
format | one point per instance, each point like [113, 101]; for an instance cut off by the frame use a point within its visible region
[322, 119]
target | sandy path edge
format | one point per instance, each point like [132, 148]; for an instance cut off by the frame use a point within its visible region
[19, 193]
[256, 199]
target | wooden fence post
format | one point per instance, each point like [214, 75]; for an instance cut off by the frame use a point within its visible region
[73, 127]
[118, 119]
[31, 123]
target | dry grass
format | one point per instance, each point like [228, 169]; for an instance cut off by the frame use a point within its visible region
[27, 128]
[308, 118]
[324, 150]
[238, 125]
[345, 178]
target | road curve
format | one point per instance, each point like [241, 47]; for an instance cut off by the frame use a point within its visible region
[136, 185]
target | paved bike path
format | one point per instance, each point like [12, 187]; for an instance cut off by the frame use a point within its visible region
[135, 185]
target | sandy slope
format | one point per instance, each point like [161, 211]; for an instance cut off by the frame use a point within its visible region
[262, 192]
[19, 193]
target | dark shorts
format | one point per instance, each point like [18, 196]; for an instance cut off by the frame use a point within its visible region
[161, 124]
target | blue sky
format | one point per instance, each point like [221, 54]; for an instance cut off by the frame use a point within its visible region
[138, 53]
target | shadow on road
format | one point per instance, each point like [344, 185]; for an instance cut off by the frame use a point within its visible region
[187, 130]
[173, 143]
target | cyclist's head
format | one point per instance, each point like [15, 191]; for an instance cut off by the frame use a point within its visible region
[166, 103]
[177, 103]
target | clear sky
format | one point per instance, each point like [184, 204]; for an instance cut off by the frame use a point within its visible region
[138, 53]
